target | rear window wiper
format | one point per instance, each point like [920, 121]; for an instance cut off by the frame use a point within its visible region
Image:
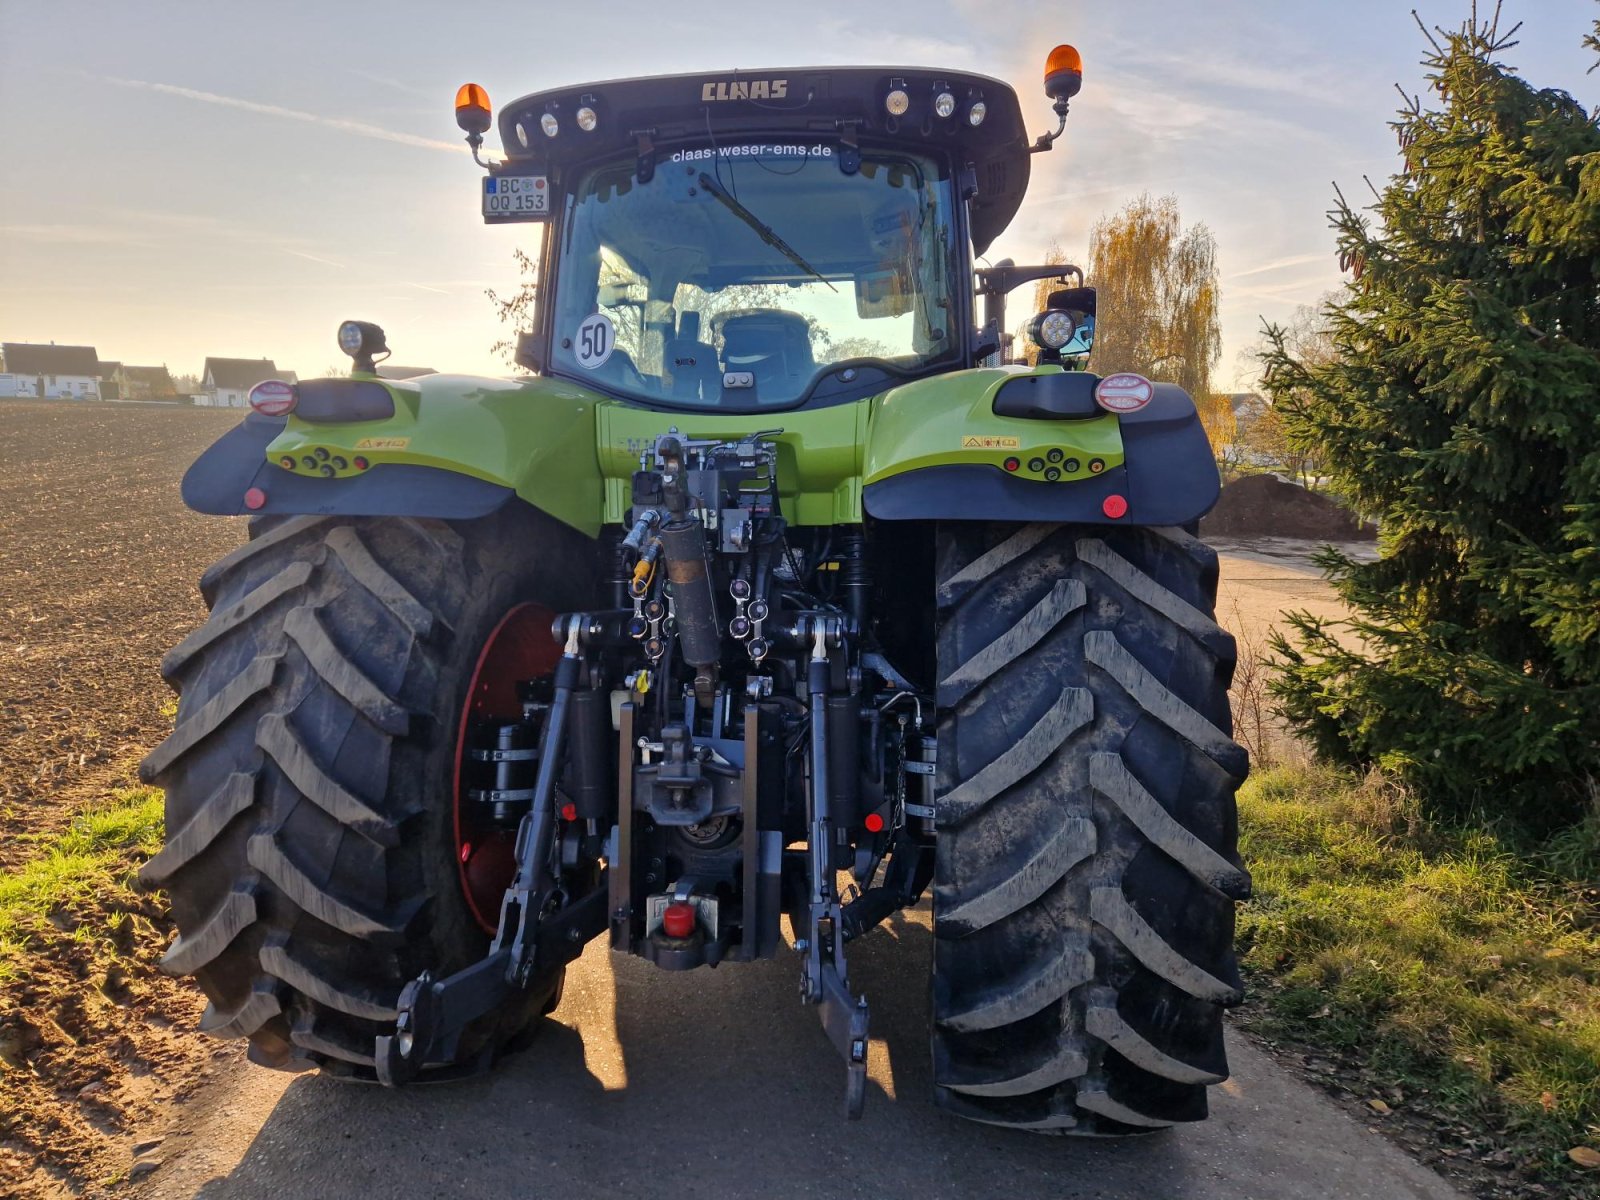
[762, 230]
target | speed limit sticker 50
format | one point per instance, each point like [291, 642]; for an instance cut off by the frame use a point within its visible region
[595, 341]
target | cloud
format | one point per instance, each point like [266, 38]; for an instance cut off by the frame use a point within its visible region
[1303, 291]
[327, 262]
[409, 89]
[342, 124]
[1279, 264]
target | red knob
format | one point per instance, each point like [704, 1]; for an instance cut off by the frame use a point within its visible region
[678, 920]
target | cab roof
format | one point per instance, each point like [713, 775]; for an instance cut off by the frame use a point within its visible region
[833, 103]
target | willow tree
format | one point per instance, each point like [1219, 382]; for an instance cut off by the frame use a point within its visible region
[1157, 303]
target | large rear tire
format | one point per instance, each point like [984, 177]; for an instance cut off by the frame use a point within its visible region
[310, 854]
[1086, 865]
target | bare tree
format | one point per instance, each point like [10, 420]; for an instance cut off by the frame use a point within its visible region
[1308, 336]
[516, 309]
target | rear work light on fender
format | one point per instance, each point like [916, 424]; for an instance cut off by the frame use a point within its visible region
[1124, 392]
[273, 398]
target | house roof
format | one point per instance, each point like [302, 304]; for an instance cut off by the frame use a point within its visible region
[28, 358]
[388, 372]
[243, 373]
[156, 377]
[108, 369]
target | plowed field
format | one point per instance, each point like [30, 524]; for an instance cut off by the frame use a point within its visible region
[98, 565]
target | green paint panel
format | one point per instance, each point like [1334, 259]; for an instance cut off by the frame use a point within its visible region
[572, 452]
[819, 454]
[950, 419]
[533, 435]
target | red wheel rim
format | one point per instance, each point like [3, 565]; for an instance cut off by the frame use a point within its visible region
[520, 648]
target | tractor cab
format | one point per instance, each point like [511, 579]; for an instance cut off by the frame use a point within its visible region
[748, 243]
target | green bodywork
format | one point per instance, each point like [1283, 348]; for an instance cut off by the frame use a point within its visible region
[572, 452]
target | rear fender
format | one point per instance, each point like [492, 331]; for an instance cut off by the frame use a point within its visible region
[456, 447]
[938, 450]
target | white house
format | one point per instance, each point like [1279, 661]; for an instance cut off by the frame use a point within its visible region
[49, 372]
[227, 381]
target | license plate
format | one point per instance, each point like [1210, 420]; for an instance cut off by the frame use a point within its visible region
[516, 197]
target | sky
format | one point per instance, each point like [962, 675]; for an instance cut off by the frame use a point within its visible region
[183, 179]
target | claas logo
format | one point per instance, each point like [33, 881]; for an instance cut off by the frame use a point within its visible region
[744, 89]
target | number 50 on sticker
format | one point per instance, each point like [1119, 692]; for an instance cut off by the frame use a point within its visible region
[595, 341]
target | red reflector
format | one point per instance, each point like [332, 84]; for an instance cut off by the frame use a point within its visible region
[361, 463]
[466, 851]
[1124, 392]
[1011, 464]
[273, 398]
[678, 920]
[1114, 507]
[569, 812]
[874, 823]
[254, 498]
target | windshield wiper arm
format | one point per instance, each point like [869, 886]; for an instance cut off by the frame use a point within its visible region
[762, 230]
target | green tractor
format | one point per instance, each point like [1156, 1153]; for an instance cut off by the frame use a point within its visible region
[771, 589]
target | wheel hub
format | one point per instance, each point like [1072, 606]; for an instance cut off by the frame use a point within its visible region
[519, 650]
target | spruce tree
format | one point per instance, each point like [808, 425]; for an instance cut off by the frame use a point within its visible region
[1462, 410]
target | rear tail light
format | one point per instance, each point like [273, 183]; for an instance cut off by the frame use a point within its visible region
[273, 398]
[1124, 392]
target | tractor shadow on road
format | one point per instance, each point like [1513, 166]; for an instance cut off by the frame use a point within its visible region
[708, 1083]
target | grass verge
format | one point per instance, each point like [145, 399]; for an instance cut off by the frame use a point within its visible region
[86, 866]
[94, 1040]
[1446, 981]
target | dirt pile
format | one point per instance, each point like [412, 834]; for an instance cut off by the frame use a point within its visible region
[1271, 506]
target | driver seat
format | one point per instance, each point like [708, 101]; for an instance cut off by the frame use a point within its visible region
[774, 346]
